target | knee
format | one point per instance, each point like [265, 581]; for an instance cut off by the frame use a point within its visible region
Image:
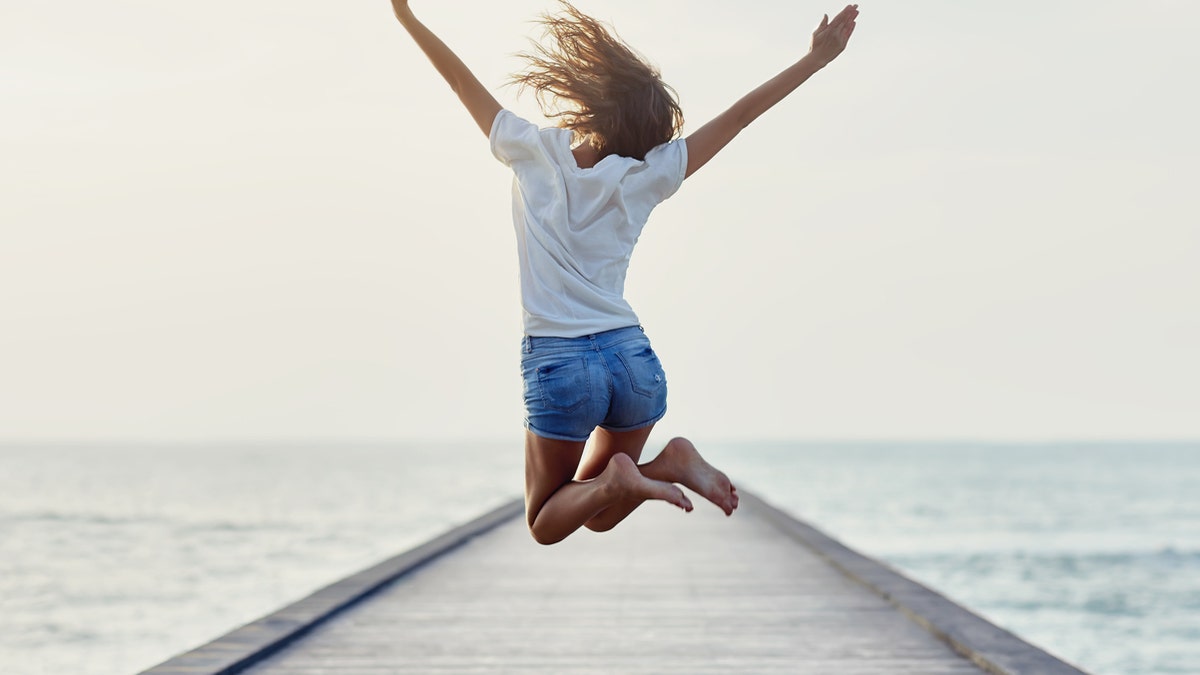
[544, 541]
[531, 517]
[595, 526]
[541, 536]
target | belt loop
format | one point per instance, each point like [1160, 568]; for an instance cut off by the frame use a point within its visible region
[528, 345]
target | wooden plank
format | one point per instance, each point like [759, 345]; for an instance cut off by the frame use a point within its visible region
[994, 649]
[233, 652]
[664, 592]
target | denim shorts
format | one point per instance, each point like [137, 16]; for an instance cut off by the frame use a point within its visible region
[573, 385]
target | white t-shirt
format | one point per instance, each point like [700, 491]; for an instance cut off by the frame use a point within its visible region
[576, 228]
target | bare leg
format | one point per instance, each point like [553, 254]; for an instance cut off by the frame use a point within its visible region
[679, 462]
[556, 506]
[608, 444]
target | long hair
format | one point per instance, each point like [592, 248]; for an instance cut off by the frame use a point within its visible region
[598, 87]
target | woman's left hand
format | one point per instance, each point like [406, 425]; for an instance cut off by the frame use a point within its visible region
[831, 37]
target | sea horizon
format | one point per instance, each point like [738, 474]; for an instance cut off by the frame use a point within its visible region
[117, 560]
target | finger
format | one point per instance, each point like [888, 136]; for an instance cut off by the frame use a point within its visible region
[824, 23]
[847, 15]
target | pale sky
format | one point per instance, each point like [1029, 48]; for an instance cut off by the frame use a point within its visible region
[273, 220]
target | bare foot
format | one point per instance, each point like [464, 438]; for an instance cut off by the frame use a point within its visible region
[680, 462]
[622, 476]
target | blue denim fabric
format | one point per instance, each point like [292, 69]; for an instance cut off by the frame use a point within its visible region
[573, 385]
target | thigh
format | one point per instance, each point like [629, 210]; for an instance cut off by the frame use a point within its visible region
[606, 443]
[549, 464]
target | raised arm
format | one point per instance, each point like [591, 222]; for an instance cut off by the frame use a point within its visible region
[479, 101]
[828, 41]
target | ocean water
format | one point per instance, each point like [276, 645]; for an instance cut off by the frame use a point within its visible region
[1090, 551]
[113, 558]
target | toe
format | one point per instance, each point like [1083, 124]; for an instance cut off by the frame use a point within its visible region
[681, 500]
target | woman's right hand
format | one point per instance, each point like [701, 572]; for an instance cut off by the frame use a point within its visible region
[830, 38]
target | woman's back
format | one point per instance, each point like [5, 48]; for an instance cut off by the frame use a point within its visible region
[576, 227]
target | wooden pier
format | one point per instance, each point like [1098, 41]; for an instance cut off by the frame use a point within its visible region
[665, 592]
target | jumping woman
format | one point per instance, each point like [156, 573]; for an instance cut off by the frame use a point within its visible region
[582, 194]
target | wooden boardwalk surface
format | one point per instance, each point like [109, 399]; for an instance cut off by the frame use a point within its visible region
[665, 592]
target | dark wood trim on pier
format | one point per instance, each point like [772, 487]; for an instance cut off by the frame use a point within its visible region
[234, 652]
[988, 646]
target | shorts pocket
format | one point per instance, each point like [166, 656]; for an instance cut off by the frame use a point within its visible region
[646, 376]
[565, 385]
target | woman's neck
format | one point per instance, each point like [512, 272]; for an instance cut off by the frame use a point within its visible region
[585, 155]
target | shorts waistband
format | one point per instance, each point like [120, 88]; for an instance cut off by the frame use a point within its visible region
[608, 338]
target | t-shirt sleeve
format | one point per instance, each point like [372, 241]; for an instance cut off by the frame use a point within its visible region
[667, 164]
[513, 139]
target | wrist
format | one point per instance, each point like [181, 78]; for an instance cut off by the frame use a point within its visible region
[403, 13]
[815, 62]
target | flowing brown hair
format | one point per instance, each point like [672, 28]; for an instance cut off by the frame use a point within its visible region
[598, 87]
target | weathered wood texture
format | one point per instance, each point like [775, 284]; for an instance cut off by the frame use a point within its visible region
[665, 592]
[232, 652]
